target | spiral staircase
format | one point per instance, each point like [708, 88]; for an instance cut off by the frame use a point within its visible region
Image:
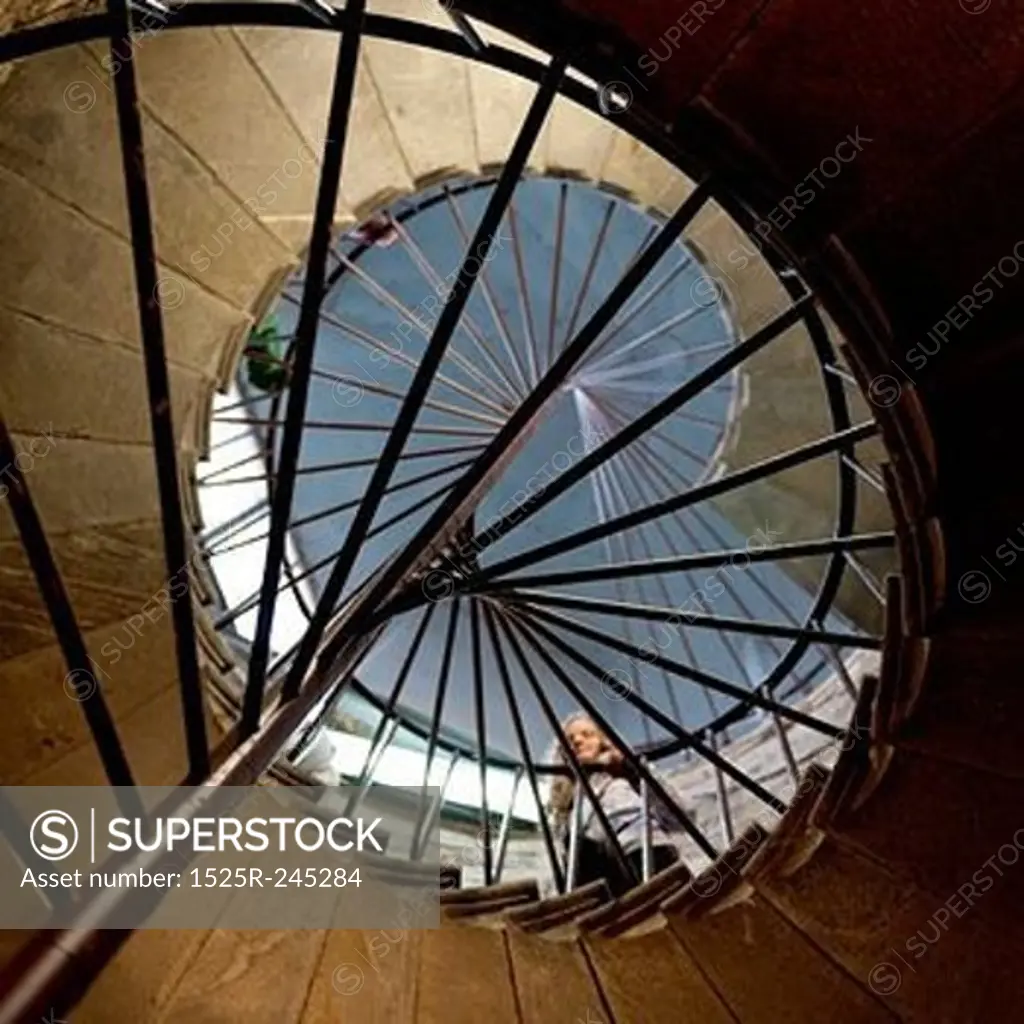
[890, 888]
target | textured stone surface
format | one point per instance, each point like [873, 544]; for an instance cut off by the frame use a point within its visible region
[61, 382]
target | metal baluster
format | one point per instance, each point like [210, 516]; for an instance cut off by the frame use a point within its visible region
[506, 826]
[646, 854]
[573, 854]
[420, 839]
[835, 656]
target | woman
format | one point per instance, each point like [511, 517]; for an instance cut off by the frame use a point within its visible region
[617, 788]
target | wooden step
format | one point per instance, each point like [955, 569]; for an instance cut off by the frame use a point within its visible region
[144, 976]
[480, 894]
[638, 904]
[928, 963]
[561, 923]
[482, 908]
[651, 979]
[556, 910]
[721, 878]
[918, 797]
[369, 975]
[553, 980]
[479, 959]
[264, 976]
[765, 969]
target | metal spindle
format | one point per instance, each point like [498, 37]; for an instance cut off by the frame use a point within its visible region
[506, 826]
[646, 853]
[573, 851]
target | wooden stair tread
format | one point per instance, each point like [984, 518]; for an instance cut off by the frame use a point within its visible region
[651, 979]
[639, 903]
[911, 949]
[464, 977]
[558, 910]
[766, 970]
[916, 796]
[552, 980]
[527, 890]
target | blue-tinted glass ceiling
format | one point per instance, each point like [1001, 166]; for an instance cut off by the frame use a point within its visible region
[378, 316]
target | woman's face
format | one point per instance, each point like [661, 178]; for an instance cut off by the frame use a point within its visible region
[585, 739]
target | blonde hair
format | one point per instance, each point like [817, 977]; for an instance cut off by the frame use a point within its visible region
[563, 787]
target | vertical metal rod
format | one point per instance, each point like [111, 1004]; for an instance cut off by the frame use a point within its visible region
[524, 753]
[466, 28]
[572, 856]
[377, 746]
[200, 481]
[578, 771]
[420, 837]
[344, 506]
[154, 354]
[694, 675]
[660, 793]
[556, 275]
[836, 657]
[525, 306]
[389, 299]
[865, 474]
[738, 660]
[526, 621]
[468, 324]
[787, 749]
[665, 473]
[646, 857]
[666, 597]
[506, 826]
[376, 388]
[629, 315]
[233, 439]
[588, 273]
[81, 674]
[331, 467]
[442, 690]
[468, 490]
[481, 733]
[690, 389]
[662, 473]
[504, 333]
[374, 344]
[724, 812]
[865, 577]
[305, 344]
[598, 481]
[375, 754]
[709, 489]
[250, 602]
